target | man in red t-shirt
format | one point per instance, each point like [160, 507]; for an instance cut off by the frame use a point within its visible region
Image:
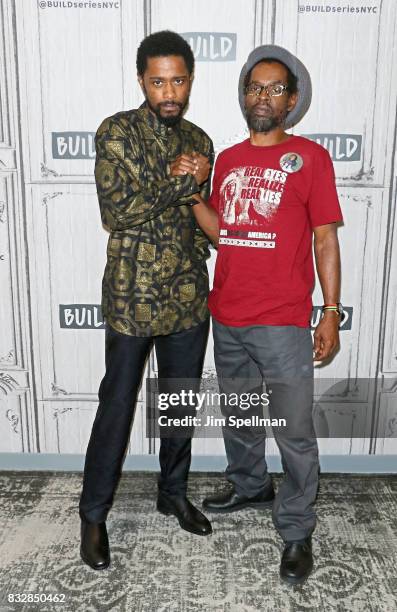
[270, 195]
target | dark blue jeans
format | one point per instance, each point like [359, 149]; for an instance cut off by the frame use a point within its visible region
[179, 355]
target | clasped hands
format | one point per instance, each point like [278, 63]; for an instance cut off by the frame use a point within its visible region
[194, 163]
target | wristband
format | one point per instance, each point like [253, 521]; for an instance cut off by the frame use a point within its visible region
[338, 308]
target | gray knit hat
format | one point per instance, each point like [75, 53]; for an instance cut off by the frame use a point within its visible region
[296, 67]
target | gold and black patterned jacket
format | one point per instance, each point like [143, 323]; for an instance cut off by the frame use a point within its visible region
[156, 279]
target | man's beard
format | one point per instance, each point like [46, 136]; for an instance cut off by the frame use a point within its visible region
[171, 120]
[265, 124]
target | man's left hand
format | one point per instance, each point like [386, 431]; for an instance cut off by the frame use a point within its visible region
[326, 336]
[202, 167]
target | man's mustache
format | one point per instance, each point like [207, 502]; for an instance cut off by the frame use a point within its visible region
[260, 105]
[170, 104]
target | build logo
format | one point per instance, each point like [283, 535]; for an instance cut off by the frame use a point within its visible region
[89, 316]
[212, 46]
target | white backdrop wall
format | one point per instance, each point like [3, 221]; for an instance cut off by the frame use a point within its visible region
[64, 66]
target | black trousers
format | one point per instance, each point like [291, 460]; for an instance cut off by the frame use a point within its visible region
[179, 355]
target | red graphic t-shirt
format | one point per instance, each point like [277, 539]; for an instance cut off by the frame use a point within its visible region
[269, 199]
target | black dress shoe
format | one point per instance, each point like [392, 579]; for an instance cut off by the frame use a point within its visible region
[297, 561]
[230, 501]
[95, 545]
[188, 516]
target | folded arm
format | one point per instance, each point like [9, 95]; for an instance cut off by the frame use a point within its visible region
[125, 199]
[207, 218]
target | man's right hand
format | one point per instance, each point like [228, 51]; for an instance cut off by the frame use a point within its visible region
[195, 164]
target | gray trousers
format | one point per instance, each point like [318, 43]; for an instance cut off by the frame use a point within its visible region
[282, 358]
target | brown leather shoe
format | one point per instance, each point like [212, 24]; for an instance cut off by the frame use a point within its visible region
[94, 548]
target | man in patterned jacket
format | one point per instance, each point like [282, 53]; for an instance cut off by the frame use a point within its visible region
[149, 164]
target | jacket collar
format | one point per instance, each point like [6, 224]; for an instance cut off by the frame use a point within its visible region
[154, 123]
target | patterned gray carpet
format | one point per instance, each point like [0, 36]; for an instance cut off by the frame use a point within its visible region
[157, 567]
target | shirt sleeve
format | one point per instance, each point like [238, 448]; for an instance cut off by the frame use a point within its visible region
[323, 202]
[201, 242]
[125, 200]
